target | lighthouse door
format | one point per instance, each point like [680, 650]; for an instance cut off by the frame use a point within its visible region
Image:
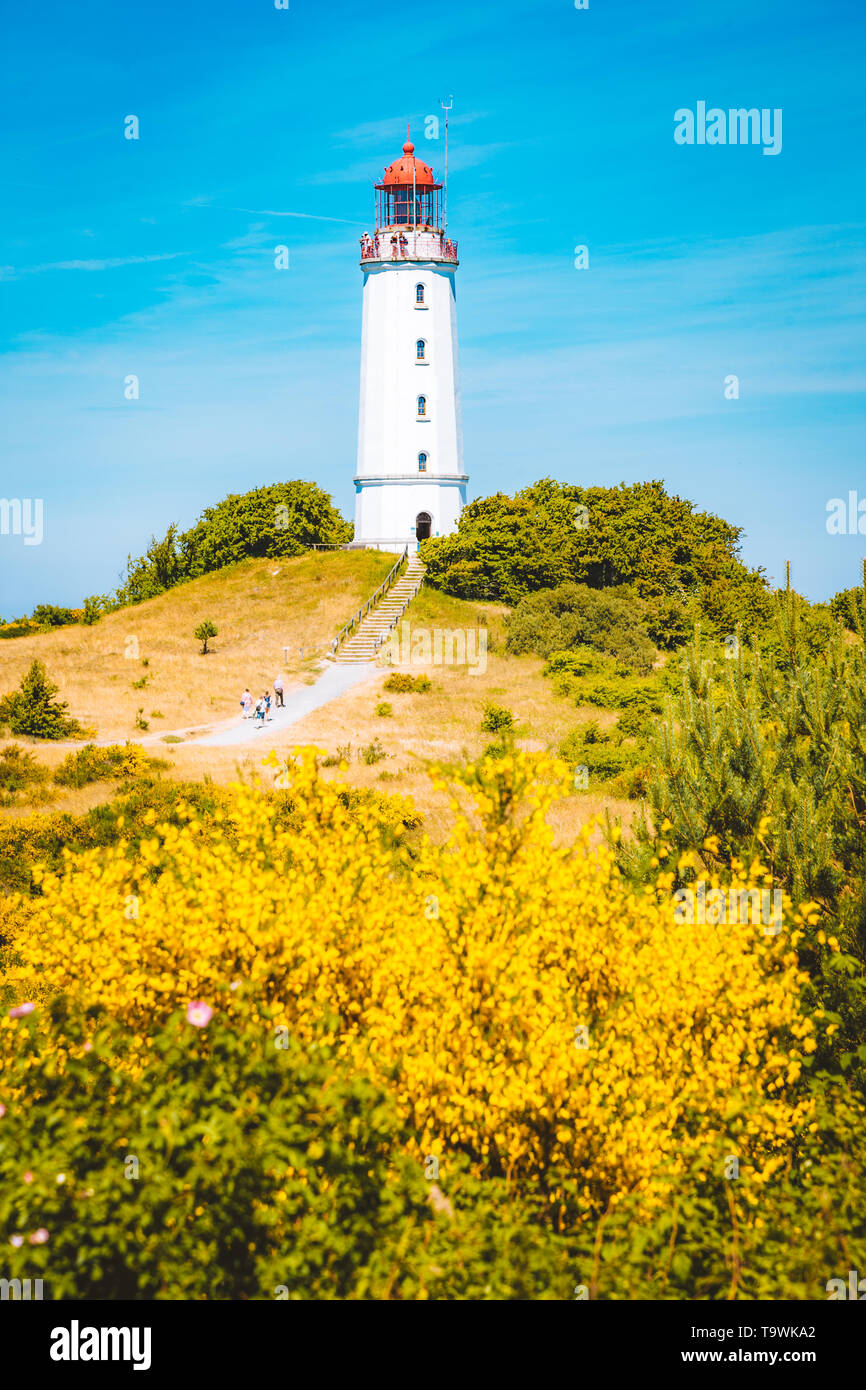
[423, 522]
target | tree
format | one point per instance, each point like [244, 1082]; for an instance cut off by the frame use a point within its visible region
[762, 759]
[32, 709]
[204, 632]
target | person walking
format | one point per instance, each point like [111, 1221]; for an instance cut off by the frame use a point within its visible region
[278, 693]
[260, 713]
[267, 699]
[246, 703]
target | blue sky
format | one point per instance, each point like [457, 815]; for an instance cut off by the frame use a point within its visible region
[261, 127]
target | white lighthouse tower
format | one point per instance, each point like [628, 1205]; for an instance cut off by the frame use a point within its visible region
[410, 482]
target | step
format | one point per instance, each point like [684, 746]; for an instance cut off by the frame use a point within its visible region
[365, 641]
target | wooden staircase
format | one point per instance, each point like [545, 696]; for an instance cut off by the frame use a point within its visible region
[373, 629]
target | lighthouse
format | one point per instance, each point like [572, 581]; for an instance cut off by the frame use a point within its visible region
[410, 482]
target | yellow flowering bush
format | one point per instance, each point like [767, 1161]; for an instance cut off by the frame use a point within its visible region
[520, 1002]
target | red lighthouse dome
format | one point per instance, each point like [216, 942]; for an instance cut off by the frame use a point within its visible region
[404, 170]
[409, 195]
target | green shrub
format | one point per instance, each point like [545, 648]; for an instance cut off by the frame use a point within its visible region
[229, 1168]
[93, 764]
[604, 756]
[226, 1167]
[371, 753]
[33, 711]
[496, 719]
[47, 615]
[400, 682]
[94, 607]
[621, 694]
[19, 770]
[574, 615]
[384, 710]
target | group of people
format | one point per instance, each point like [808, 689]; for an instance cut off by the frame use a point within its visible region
[260, 710]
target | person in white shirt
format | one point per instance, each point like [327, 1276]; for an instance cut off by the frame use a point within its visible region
[278, 692]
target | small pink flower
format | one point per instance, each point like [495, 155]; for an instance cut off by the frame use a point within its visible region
[39, 1237]
[22, 1010]
[17, 1241]
[198, 1013]
[2, 1110]
[28, 1176]
[88, 1047]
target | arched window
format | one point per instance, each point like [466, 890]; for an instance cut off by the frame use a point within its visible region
[421, 350]
[422, 463]
[419, 294]
[422, 406]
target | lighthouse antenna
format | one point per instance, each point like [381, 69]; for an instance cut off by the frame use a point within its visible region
[446, 107]
[414, 201]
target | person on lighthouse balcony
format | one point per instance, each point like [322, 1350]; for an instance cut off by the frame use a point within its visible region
[410, 481]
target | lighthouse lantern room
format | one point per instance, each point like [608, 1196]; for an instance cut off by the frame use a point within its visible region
[410, 482]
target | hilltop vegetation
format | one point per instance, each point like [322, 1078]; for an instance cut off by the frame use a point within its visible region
[687, 563]
[276, 522]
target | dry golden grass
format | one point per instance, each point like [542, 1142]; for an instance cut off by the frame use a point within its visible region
[259, 606]
[441, 726]
[257, 613]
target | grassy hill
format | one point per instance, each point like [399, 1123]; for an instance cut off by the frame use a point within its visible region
[260, 607]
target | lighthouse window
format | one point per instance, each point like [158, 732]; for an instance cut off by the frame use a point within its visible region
[422, 405]
[422, 463]
[421, 350]
[419, 294]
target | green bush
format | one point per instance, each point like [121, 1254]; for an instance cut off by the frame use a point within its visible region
[575, 616]
[18, 771]
[371, 753]
[47, 615]
[93, 764]
[384, 710]
[401, 683]
[496, 719]
[228, 1168]
[604, 756]
[32, 710]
